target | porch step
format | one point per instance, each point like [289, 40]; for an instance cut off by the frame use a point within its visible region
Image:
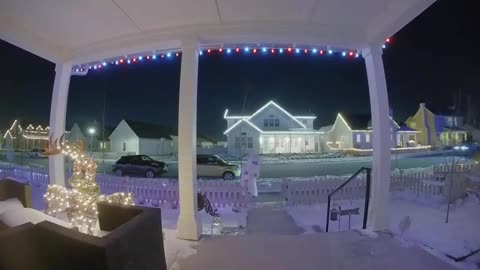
[271, 220]
[340, 251]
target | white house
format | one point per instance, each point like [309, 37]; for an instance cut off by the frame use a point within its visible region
[354, 132]
[76, 134]
[271, 129]
[143, 138]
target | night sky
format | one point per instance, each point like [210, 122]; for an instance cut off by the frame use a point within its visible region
[429, 60]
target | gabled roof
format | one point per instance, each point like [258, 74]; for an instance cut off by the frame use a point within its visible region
[270, 103]
[150, 131]
[406, 129]
[356, 121]
[326, 128]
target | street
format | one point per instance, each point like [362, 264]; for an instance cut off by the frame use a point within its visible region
[340, 166]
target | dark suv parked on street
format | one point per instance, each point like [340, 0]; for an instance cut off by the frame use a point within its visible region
[139, 164]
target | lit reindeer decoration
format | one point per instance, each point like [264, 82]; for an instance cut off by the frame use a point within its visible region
[80, 202]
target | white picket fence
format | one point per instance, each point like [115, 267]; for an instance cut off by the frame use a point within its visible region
[159, 192]
[155, 192]
[430, 183]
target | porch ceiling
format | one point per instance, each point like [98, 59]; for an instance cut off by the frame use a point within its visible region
[61, 30]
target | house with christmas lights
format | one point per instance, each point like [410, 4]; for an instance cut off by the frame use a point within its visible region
[354, 132]
[26, 138]
[437, 129]
[271, 130]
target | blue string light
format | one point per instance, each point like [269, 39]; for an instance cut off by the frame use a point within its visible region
[220, 50]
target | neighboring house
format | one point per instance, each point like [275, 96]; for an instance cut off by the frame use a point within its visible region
[25, 139]
[354, 132]
[441, 129]
[76, 134]
[143, 138]
[271, 129]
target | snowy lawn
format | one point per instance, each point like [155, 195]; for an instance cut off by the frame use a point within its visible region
[426, 226]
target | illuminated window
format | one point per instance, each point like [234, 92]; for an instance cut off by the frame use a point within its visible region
[358, 138]
[367, 137]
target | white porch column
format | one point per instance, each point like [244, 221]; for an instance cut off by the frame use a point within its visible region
[58, 112]
[378, 218]
[189, 225]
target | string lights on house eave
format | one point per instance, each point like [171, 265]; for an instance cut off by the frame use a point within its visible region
[224, 49]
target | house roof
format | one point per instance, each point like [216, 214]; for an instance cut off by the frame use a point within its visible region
[325, 128]
[454, 129]
[113, 28]
[405, 128]
[155, 131]
[151, 131]
[356, 121]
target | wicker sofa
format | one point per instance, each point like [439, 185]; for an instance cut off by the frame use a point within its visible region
[134, 241]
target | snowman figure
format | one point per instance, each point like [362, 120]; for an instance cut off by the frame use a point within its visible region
[250, 173]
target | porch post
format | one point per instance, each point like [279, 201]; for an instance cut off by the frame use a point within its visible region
[378, 218]
[58, 112]
[189, 225]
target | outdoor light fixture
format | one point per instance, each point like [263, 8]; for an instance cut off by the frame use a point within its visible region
[91, 131]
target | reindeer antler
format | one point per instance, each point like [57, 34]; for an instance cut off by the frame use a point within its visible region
[54, 146]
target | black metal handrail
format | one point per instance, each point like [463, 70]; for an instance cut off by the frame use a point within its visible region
[367, 196]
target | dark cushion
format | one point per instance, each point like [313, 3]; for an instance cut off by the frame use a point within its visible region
[111, 216]
[13, 189]
[63, 248]
[18, 248]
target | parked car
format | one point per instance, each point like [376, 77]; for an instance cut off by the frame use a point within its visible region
[36, 153]
[467, 148]
[214, 166]
[140, 165]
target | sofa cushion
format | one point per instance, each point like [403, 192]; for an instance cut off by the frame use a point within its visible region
[12, 203]
[16, 217]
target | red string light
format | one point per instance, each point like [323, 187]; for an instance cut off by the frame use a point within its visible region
[273, 51]
[209, 51]
[255, 50]
[121, 61]
[289, 49]
[306, 51]
[321, 52]
[350, 53]
[387, 40]
[220, 50]
[237, 49]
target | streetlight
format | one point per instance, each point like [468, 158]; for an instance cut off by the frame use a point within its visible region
[92, 132]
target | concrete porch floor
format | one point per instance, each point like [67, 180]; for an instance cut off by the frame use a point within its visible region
[332, 251]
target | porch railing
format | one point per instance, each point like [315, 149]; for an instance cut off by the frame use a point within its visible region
[342, 186]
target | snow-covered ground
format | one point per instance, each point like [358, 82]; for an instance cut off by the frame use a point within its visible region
[176, 249]
[413, 221]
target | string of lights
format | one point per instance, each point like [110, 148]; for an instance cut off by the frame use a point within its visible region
[233, 50]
